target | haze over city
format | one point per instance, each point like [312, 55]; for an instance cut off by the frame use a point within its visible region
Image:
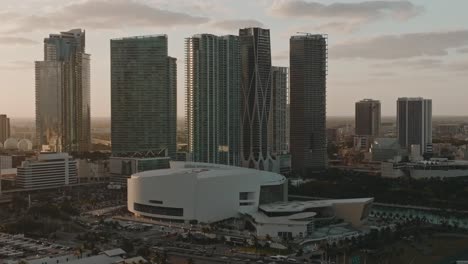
[377, 49]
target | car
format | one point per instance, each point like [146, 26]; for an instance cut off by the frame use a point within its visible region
[291, 260]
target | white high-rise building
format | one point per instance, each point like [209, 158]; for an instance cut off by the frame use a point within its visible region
[47, 170]
[414, 123]
[213, 98]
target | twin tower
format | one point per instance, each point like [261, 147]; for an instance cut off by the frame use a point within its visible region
[239, 110]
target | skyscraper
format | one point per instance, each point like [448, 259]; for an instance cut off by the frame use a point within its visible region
[143, 96]
[367, 118]
[4, 128]
[256, 97]
[213, 98]
[63, 115]
[414, 123]
[308, 75]
[279, 115]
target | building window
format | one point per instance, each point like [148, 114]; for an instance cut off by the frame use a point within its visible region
[271, 194]
[285, 235]
[159, 210]
[246, 196]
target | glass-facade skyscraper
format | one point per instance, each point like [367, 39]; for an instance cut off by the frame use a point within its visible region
[143, 96]
[414, 123]
[213, 98]
[308, 79]
[256, 94]
[367, 118]
[63, 115]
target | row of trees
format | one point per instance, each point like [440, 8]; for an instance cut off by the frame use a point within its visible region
[438, 193]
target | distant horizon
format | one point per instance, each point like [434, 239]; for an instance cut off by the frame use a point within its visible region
[328, 116]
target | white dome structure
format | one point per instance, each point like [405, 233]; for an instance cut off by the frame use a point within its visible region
[10, 144]
[25, 145]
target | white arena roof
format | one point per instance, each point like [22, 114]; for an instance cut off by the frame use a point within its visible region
[208, 170]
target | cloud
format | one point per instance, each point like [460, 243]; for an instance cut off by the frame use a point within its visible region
[16, 41]
[411, 45]
[383, 74]
[438, 65]
[339, 26]
[420, 64]
[235, 24]
[105, 14]
[463, 50]
[460, 66]
[367, 10]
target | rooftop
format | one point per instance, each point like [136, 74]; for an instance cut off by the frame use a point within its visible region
[141, 37]
[299, 206]
[208, 170]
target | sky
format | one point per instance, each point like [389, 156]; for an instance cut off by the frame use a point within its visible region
[377, 49]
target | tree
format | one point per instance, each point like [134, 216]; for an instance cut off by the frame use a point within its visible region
[143, 251]
[127, 245]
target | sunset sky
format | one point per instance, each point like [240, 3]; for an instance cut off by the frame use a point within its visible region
[377, 49]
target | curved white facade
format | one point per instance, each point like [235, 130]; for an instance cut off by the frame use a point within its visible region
[202, 192]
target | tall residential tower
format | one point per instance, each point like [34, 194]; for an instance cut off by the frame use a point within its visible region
[279, 115]
[414, 123]
[143, 96]
[213, 98]
[63, 115]
[308, 76]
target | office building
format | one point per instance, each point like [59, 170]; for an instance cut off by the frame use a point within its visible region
[414, 123]
[63, 115]
[143, 96]
[367, 118]
[47, 170]
[279, 115]
[308, 76]
[4, 128]
[256, 98]
[213, 98]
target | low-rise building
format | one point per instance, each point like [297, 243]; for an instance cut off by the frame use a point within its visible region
[47, 170]
[384, 149]
[433, 168]
[93, 171]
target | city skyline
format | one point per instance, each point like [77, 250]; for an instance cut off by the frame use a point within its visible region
[363, 60]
